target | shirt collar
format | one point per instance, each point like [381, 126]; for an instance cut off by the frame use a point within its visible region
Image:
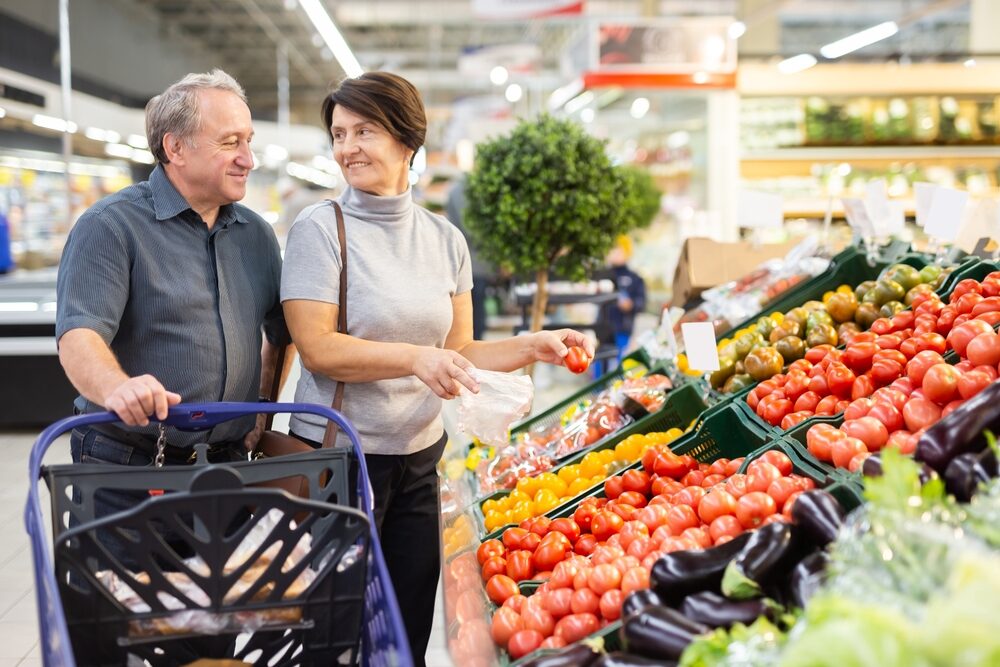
[169, 203]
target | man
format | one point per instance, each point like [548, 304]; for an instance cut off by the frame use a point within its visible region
[164, 288]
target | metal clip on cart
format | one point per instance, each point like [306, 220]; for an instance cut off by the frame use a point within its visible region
[200, 592]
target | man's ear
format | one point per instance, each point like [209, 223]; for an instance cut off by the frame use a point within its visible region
[174, 147]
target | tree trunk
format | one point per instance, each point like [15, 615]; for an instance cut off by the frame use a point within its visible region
[538, 308]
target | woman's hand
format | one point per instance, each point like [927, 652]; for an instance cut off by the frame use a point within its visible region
[444, 371]
[551, 346]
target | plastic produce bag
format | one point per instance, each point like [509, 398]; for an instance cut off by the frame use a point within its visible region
[502, 400]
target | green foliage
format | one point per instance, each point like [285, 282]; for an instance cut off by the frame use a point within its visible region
[547, 197]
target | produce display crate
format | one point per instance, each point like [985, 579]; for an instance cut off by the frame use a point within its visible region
[683, 405]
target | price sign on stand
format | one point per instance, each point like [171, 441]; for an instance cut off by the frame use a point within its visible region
[759, 210]
[699, 345]
[947, 211]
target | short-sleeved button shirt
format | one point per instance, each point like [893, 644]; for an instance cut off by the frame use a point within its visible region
[173, 298]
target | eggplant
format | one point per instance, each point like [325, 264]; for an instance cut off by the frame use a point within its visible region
[961, 431]
[577, 655]
[807, 577]
[967, 471]
[818, 514]
[660, 633]
[680, 573]
[769, 554]
[621, 659]
[715, 611]
[638, 600]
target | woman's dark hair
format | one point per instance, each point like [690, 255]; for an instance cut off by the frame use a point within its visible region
[387, 99]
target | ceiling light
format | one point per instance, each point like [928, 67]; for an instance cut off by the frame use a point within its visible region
[118, 150]
[587, 115]
[53, 123]
[580, 101]
[331, 36]
[498, 75]
[859, 40]
[97, 134]
[798, 63]
[137, 141]
[639, 107]
[513, 92]
[736, 29]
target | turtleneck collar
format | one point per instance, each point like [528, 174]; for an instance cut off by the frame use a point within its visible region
[389, 209]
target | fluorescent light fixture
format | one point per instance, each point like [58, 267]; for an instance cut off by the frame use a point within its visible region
[859, 40]
[97, 134]
[498, 75]
[513, 92]
[736, 29]
[327, 29]
[639, 107]
[53, 123]
[118, 150]
[798, 63]
[579, 102]
[137, 141]
[587, 115]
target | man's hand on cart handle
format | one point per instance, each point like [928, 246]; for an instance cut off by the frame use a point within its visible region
[137, 398]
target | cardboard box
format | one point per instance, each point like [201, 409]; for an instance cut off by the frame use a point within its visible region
[705, 263]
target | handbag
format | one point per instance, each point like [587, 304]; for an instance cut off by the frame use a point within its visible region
[276, 443]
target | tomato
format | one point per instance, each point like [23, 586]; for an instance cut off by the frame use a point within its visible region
[634, 579]
[753, 508]
[962, 334]
[680, 518]
[858, 356]
[716, 503]
[575, 627]
[842, 451]
[888, 414]
[781, 489]
[940, 383]
[489, 549]
[500, 587]
[920, 413]
[524, 642]
[973, 382]
[840, 380]
[867, 429]
[494, 565]
[917, 367]
[576, 359]
[613, 487]
[858, 408]
[820, 439]
[605, 524]
[585, 545]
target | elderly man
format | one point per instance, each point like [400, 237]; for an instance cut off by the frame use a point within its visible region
[165, 288]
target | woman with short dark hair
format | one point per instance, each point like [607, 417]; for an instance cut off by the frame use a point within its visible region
[408, 341]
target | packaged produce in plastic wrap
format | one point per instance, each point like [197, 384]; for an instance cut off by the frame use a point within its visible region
[503, 399]
[187, 620]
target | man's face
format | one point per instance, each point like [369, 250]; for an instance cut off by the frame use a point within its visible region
[216, 161]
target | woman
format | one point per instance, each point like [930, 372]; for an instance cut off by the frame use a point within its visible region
[409, 318]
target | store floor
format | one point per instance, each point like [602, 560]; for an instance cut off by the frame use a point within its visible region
[19, 644]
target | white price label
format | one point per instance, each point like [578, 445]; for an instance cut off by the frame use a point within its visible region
[699, 345]
[946, 214]
[759, 210]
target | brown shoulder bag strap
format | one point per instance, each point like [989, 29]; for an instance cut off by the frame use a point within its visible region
[330, 436]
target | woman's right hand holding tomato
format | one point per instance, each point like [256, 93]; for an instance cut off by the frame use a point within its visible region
[445, 372]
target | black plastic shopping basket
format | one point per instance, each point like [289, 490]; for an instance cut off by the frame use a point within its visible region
[211, 565]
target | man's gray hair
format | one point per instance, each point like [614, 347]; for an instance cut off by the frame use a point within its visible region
[176, 110]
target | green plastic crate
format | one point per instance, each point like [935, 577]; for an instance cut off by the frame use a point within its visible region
[683, 405]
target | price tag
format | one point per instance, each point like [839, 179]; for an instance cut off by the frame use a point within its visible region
[699, 345]
[877, 205]
[857, 217]
[923, 193]
[759, 210]
[946, 214]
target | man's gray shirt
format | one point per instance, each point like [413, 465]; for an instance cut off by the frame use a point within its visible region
[172, 298]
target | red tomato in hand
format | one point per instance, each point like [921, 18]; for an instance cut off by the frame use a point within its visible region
[576, 359]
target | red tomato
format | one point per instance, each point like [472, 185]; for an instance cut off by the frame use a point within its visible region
[940, 383]
[781, 489]
[506, 622]
[716, 503]
[867, 429]
[680, 518]
[489, 549]
[917, 366]
[753, 508]
[494, 565]
[576, 359]
[524, 642]
[962, 334]
[575, 627]
[605, 524]
[500, 587]
[846, 449]
[920, 413]
[973, 382]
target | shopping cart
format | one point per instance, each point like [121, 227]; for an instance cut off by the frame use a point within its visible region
[210, 501]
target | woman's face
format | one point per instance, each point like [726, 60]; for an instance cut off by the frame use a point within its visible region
[372, 160]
